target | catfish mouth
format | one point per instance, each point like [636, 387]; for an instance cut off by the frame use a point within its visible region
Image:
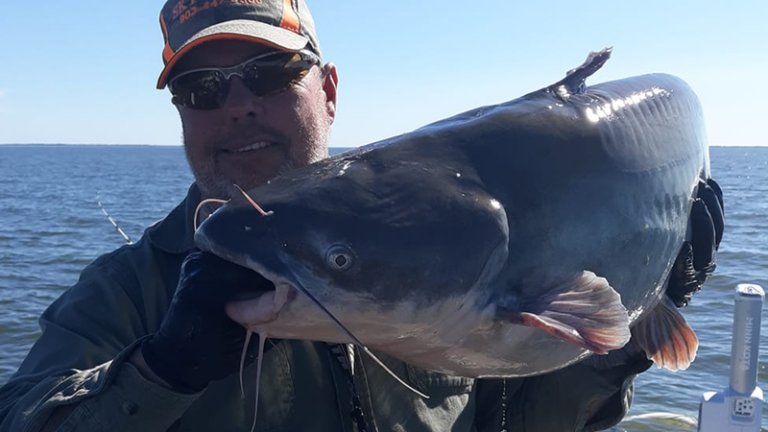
[261, 287]
[259, 303]
[263, 304]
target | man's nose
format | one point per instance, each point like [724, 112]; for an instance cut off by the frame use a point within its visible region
[241, 103]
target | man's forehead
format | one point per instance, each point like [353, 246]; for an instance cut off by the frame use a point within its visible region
[220, 53]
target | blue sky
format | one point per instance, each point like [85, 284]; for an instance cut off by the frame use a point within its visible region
[84, 71]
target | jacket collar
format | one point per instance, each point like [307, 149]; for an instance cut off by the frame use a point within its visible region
[173, 234]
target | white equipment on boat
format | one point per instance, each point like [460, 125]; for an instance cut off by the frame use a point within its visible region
[739, 407]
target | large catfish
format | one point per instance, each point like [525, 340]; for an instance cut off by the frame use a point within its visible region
[506, 241]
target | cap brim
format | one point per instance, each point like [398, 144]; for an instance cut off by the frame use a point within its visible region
[254, 31]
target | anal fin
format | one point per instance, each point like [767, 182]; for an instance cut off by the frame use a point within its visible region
[585, 311]
[666, 338]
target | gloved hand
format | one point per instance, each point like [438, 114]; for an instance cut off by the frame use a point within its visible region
[696, 260]
[197, 342]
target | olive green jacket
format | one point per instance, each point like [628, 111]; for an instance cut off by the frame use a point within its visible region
[90, 331]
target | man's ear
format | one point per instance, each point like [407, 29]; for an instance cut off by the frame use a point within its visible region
[330, 84]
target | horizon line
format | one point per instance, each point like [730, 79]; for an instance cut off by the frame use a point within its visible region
[114, 145]
[330, 146]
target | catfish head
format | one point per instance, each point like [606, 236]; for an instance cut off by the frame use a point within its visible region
[396, 251]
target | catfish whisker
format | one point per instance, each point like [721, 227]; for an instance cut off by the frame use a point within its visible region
[248, 334]
[253, 203]
[259, 361]
[360, 344]
[200, 206]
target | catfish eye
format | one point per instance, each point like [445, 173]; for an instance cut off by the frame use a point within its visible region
[339, 258]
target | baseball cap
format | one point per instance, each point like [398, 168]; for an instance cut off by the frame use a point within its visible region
[282, 24]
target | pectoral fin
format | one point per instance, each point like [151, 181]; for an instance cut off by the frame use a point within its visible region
[585, 311]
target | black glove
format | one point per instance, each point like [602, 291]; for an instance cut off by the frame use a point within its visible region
[197, 342]
[697, 258]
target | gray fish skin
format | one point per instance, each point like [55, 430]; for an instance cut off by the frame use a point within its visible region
[457, 234]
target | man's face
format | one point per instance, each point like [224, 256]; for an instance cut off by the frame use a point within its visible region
[251, 139]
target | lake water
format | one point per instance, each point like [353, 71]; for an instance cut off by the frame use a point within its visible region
[51, 227]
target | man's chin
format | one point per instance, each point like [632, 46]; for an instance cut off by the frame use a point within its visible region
[224, 188]
[220, 182]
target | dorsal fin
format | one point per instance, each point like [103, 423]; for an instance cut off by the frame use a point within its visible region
[573, 83]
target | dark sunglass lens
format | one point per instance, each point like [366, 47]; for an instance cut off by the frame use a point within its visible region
[269, 76]
[251, 73]
[201, 90]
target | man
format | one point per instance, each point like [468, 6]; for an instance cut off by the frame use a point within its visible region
[141, 342]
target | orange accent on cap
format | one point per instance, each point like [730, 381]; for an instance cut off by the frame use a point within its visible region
[185, 49]
[167, 51]
[290, 19]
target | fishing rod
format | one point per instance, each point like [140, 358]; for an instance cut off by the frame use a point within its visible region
[114, 222]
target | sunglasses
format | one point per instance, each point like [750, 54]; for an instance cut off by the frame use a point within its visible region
[265, 74]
